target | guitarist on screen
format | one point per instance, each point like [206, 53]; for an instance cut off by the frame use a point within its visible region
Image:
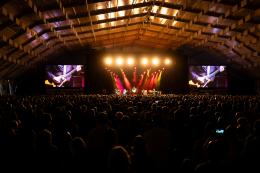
[62, 75]
[208, 76]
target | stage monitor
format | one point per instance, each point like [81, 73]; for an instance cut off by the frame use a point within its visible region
[64, 76]
[207, 76]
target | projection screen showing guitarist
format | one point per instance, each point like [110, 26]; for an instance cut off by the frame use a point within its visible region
[208, 76]
[64, 75]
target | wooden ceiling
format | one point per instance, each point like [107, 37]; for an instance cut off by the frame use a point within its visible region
[33, 30]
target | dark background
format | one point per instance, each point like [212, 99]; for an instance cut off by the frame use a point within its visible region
[98, 80]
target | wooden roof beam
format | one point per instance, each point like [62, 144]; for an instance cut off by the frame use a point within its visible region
[167, 21]
[251, 55]
[129, 41]
[118, 44]
[247, 45]
[114, 19]
[32, 61]
[132, 16]
[238, 53]
[11, 40]
[4, 64]
[146, 20]
[155, 24]
[62, 8]
[91, 22]
[11, 43]
[164, 4]
[128, 19]
[5, 24]
[17, 72]
[115, 36]
[101, 11]
[33, 6]
[14, 70]
[5, 72]
[233, 58]
[71, 4]
[233, 26]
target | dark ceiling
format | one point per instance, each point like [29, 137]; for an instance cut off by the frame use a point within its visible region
[34, 30]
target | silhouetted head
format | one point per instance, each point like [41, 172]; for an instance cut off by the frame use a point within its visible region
[139, 144]
[102, 118]
[44, 137]
[119, 160]
[78, 146]
[216, 149]
[119, 115]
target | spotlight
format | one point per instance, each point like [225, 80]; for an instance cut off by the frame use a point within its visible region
[130, 61]
[167, 61]
[155, 61]
[119, 61]
[108, 61]
[144, 61]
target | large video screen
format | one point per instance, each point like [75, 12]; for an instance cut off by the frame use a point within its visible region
[64, 76]
[208, 76]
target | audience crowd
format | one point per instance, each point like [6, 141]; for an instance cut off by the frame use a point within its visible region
[130, 134]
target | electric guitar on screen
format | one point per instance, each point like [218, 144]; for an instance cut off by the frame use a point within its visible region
[204, 80]
[61, 79]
